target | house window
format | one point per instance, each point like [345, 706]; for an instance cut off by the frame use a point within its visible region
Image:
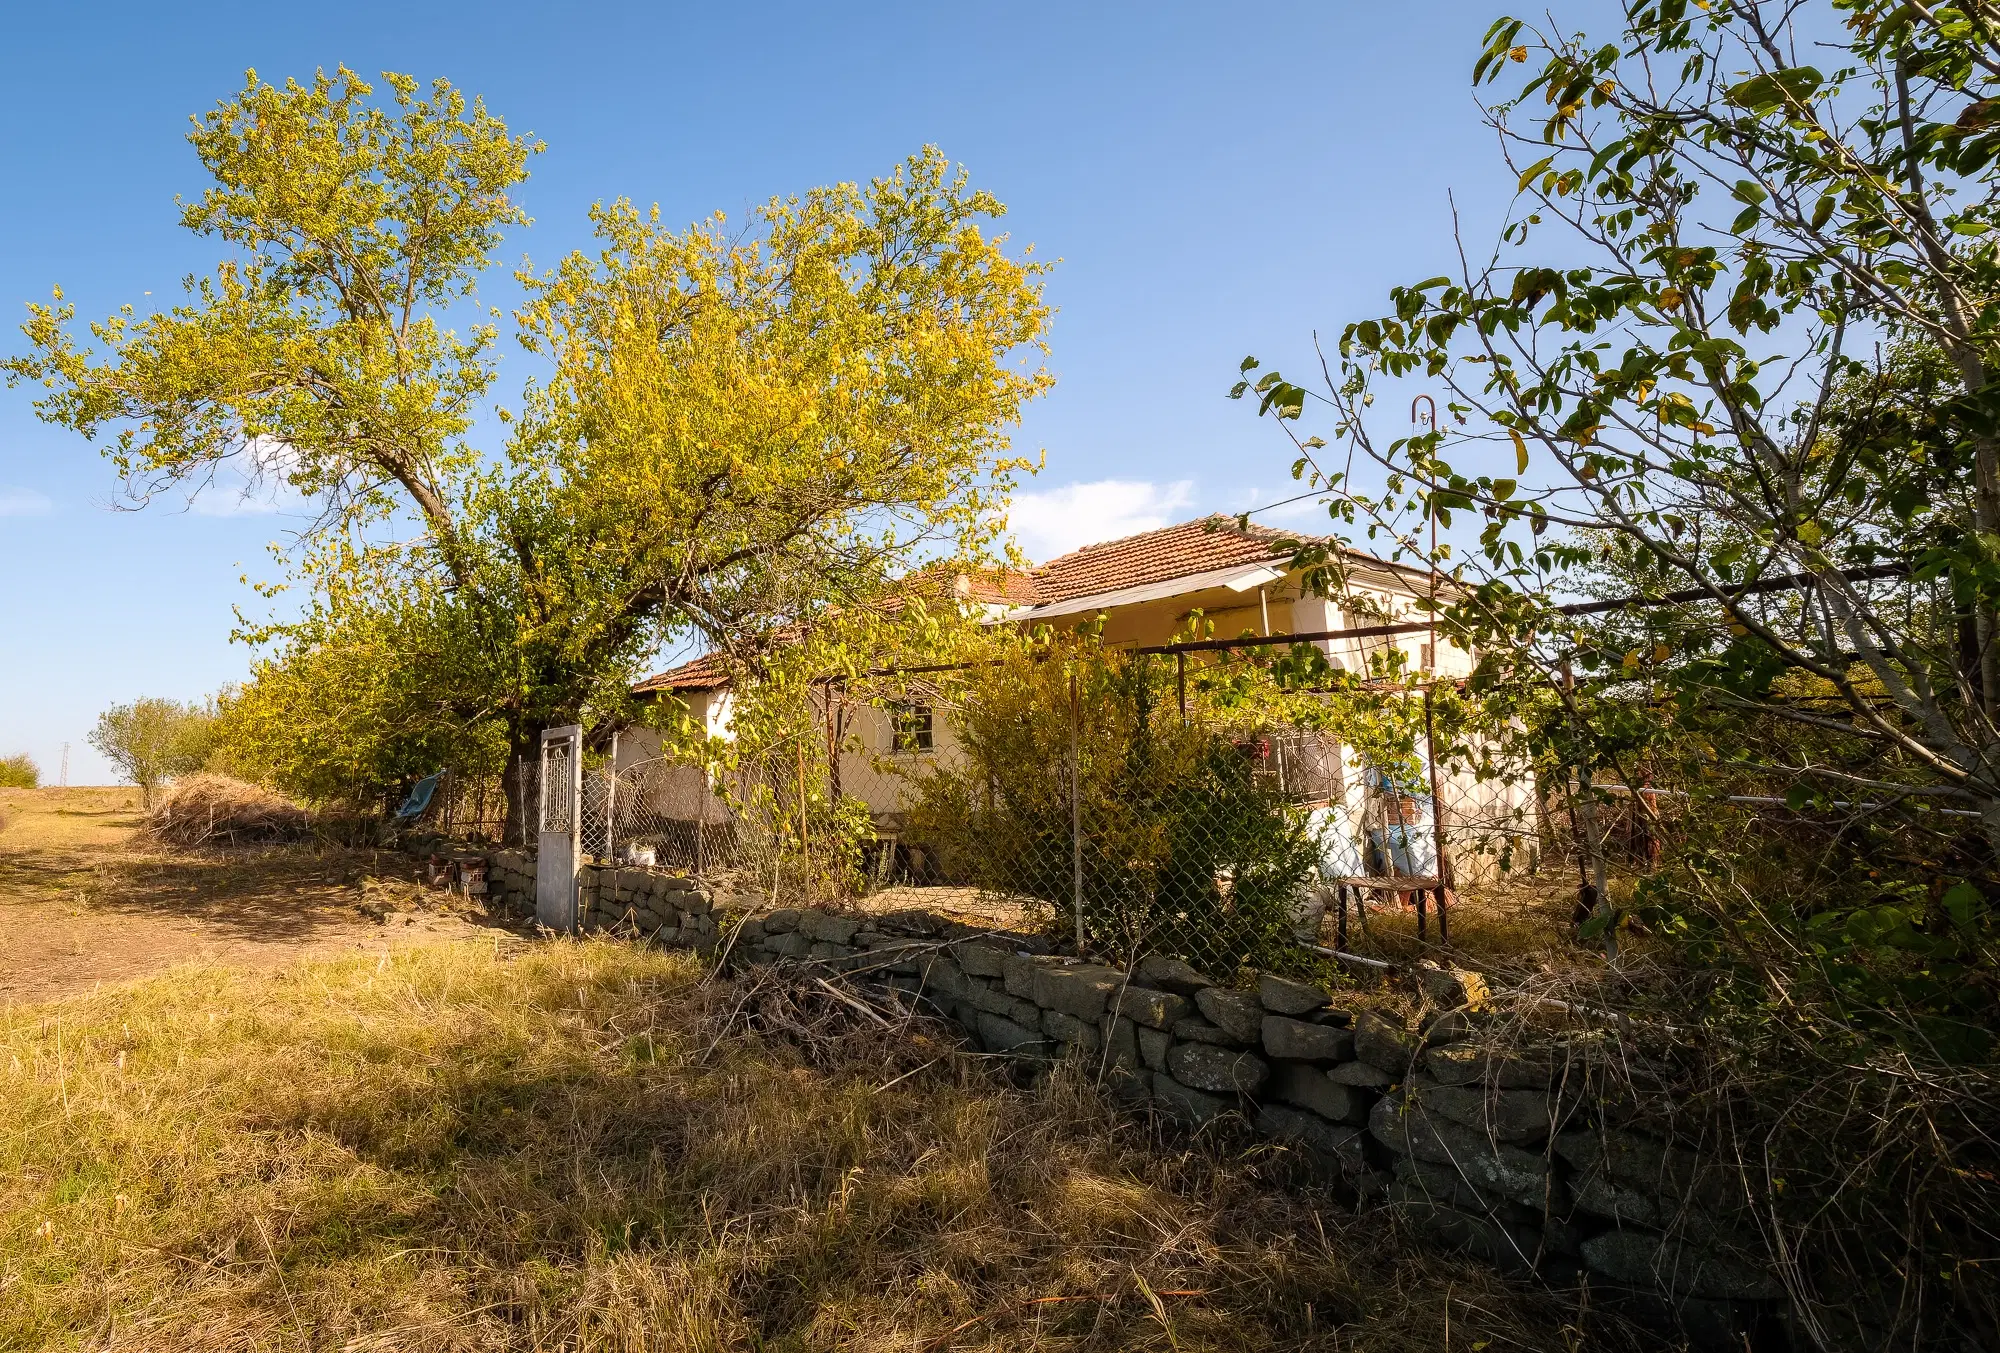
[911, 727]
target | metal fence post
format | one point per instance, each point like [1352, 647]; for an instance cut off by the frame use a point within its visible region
[836, 706]
[1592, 899]
[1075, 811]
[1442, 863]
[611, 803]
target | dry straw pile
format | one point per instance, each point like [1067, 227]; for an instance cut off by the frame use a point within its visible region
[204, 810]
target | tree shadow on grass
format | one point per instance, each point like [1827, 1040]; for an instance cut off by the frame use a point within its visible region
[581, 1145]
[268, 894]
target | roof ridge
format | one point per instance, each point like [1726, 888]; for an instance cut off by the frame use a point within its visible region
[1250, 530]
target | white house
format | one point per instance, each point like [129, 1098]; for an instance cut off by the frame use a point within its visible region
[1145, 588]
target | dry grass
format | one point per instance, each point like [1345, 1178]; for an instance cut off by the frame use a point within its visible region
[1518, 928]
[88, 898]
[563, 1146]
[203, 810]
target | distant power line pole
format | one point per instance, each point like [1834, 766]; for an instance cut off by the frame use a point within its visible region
[62, 780]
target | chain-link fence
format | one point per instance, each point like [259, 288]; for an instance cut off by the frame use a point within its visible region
[1110, 801]
[1128, 819]
[1120, 807]
[476, 806]
[1087, 798]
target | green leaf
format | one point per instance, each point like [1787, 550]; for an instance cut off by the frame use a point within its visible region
[1528, 174]
[1778, 89]
[1598, 924]
[1960, 901]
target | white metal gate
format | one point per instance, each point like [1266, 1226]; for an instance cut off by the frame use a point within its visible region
[558, 844]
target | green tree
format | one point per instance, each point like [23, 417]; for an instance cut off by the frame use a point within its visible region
[1741, 330]
[19, 772]
[1686, 369]
[357, 698]
[741, 430]
[151, 740]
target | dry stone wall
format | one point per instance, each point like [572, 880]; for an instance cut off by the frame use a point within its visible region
[661, 907]
[510, 881]
[1498, 1152]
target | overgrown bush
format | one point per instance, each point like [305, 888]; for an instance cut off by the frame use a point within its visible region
[152, 740]
[1189, 852]
[19, 772]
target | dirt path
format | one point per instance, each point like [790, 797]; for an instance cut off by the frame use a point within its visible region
[86, 901]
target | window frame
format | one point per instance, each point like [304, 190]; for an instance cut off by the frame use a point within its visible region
[912, 728]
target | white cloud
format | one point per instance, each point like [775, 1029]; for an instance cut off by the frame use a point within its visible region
[25, 503]
[255, 485]
[1048, 524]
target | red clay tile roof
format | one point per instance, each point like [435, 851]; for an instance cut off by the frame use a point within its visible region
[1011, 586]
[1000, 585]
[1157, 556]
[706, 673]
[1170, 552]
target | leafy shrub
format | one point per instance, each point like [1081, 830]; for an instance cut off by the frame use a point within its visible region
[151, 740]
[19, 772]
[1189, 852]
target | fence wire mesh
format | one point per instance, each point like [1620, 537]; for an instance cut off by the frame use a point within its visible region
[1080, 799]
[1098, 804]
[1125, 825]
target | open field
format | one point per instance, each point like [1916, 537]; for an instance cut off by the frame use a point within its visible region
[501, 1145]
[85, 899]
[254, 1116]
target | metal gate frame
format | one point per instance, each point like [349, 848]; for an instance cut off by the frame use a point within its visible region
[559, 828]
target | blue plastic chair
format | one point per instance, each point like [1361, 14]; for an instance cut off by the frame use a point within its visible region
[419, 800]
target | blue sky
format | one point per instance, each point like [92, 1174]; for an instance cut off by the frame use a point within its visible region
[1216, 180]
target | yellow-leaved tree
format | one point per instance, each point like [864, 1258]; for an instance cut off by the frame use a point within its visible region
[739, 432]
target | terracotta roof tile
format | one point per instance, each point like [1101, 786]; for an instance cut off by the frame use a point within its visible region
[1150, 557]
[706, 673]
[1158, 556]
[1000, 584]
